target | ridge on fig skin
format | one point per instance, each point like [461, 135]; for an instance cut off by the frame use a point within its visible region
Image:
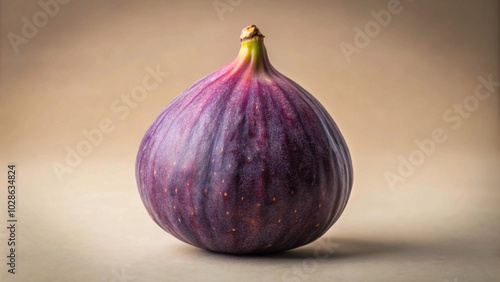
[244, 161]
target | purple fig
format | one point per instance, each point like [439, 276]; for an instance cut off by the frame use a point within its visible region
[244, 160]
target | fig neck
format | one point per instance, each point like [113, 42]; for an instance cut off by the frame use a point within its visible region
[253, 54]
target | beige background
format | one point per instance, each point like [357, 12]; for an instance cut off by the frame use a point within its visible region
[441, 224]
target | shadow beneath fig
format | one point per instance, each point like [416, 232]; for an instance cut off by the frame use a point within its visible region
[329, 248]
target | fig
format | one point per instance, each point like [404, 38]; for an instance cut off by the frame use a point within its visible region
[245, 160]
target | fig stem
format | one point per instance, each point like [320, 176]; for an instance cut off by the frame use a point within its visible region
[250, 32]
[252, 52]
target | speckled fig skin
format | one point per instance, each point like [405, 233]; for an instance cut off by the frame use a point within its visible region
[245, 160]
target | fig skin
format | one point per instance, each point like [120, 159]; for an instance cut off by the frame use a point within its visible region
[245, 160]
